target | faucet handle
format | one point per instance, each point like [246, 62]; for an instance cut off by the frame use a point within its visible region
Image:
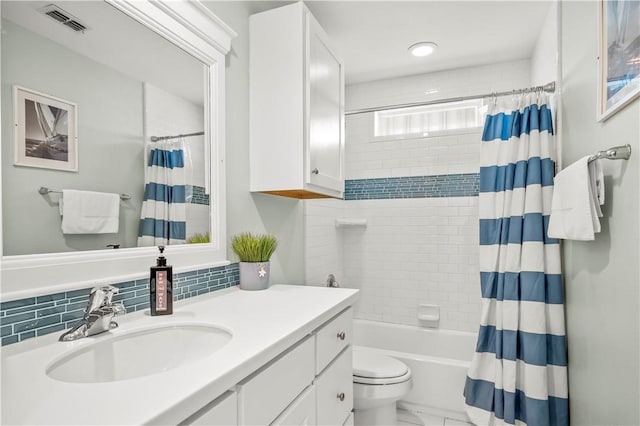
[100, 296]
[110, 291]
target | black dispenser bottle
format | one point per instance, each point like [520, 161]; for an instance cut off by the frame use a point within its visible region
[161, 286]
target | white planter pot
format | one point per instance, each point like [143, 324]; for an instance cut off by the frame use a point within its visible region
[254, 275]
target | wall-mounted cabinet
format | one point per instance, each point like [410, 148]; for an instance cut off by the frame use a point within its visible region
[296, 106]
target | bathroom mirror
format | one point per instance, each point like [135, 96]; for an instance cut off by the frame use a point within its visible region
[119, 84]
[130, 70]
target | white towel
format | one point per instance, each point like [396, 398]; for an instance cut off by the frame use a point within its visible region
[597, 181]
[87, 212]
[577, 197]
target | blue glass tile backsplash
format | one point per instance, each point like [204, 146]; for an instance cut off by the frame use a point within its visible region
[198, 196]
[455, 185]
[36, 316]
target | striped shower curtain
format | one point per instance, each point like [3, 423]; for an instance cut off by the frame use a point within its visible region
[518, 374]
[163, 216]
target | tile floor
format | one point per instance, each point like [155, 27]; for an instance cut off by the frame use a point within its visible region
[406, 418]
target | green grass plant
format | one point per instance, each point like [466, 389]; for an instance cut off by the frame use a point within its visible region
[254, 247]
[198, 238]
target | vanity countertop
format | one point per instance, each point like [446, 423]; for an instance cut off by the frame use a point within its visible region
[263, 324]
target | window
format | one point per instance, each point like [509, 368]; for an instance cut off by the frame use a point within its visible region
[422, 121]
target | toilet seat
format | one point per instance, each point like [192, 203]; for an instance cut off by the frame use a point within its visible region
[370, 368]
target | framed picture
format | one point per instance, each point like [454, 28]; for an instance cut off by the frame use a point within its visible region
[619, 55]
[45, 130]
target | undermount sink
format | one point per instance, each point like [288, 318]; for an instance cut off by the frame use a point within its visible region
[139, 353]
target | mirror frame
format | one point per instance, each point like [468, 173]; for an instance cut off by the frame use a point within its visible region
[194, 28]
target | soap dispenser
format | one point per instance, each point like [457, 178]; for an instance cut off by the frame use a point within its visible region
[161, 287]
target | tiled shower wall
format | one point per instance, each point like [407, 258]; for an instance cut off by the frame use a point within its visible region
[420, 243]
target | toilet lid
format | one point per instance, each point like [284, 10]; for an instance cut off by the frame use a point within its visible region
[376, 366]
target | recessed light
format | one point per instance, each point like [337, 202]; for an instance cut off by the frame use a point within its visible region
[424, 48]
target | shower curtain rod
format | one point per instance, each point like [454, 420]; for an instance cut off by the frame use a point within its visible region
[549, 87]
[186, 135]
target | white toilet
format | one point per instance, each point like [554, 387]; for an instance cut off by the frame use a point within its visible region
[378, 382]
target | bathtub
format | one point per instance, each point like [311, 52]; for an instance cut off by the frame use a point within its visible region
[438, 359]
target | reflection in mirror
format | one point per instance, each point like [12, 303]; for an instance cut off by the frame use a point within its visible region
[119, 83]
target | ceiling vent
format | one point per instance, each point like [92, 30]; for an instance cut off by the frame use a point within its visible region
[64, 17]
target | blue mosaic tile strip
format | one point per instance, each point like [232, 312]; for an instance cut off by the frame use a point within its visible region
[198, 196]
[36, 316]
[436, 186]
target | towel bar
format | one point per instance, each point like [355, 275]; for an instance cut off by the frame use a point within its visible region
[44, 191]
[622, 152]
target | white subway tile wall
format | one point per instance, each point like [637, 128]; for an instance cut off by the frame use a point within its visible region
[448, 153]
[323, 242]
[413, 250]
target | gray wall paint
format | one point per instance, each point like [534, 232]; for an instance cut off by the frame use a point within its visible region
[280, 216]
[109, 144]
[602, 277]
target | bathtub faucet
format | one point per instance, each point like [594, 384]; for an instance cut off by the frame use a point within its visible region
[331, 281]
[98, 317]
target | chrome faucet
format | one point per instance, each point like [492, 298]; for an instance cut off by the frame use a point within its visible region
[98, 317]
[332, 282]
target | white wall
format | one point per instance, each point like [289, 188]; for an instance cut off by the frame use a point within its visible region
[545, 53]
[280, 216]
[413, 251]
[602, 277]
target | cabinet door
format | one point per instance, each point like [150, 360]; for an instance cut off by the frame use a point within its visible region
[335, 390]
[264, 395]
[325, 106]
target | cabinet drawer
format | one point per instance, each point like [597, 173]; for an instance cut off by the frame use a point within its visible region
[268, 392]
[332, 338]
[302, 412]
[222, 411]
[335, 390]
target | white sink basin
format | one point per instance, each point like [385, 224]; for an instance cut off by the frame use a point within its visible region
[138, 353]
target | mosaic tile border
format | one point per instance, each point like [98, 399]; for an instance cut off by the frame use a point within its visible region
[198, 195]
[434, 186]
[36, 316]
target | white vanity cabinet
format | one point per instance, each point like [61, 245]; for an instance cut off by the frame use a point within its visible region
[302, 386]
[266, 393]
[222, 411]
[288, 362]
[296, 106]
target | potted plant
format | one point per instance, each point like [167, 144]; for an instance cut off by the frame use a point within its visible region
[254, 252]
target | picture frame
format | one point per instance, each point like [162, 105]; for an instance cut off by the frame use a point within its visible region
[619, 50]
[45, 131]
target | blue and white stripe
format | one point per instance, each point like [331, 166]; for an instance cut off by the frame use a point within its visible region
[163, 216]
[518, 374]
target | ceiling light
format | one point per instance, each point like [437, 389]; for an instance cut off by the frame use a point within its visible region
[424, 48]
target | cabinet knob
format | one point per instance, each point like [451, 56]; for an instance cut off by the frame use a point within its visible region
[341, 396]
[341, 335]
[315, 171]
